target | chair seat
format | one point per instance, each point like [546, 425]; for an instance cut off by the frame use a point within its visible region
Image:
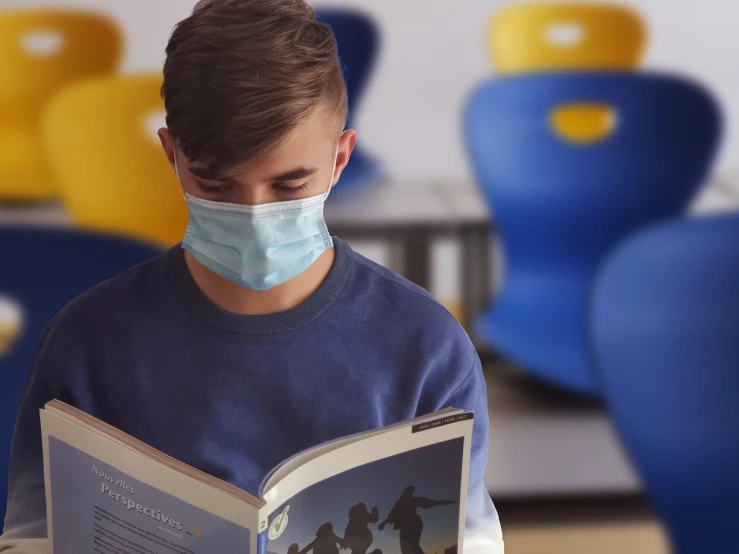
[543, 333]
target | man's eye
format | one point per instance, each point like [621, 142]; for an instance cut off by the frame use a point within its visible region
[290, 190]
[212, 189]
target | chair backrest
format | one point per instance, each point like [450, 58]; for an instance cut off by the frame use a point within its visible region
[665, 329]
[42, 271]
[104, 154]
[570, 163]
[357, 37]
[41, 51]
[558, 36]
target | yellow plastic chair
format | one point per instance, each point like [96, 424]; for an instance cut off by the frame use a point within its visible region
[567, 36]
[101, 143]
[42, 51]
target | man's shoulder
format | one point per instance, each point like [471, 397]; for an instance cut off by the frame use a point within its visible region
[396, 289]
[399, 302]
[438, 360]
[121, 294]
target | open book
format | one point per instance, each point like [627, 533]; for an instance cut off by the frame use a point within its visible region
[393, 490]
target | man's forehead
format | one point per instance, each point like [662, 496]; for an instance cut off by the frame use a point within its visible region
[287, 157]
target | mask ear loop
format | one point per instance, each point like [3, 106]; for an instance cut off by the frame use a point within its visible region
[331, 181]
[176, 169]
[177, 173]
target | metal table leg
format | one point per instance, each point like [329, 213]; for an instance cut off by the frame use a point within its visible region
[468, 277]
[477, 275]
[417, 254]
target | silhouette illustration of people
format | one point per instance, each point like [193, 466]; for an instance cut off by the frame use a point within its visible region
[294, 549]
[326, 541]
[357, 536]
[404, 518]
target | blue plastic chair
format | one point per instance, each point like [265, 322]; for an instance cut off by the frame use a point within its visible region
[665, 335]
[357, 36]
[560, 206]
[42, 270]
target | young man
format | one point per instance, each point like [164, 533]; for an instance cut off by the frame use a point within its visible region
[259, 336]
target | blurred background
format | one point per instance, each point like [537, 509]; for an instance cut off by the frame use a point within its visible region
[564, 177]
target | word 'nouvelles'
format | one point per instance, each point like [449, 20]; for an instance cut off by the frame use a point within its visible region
[117, 482]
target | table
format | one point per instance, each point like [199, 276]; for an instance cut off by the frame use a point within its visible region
[49, 214]
[410, 218]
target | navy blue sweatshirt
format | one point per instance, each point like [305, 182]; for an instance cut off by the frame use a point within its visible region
[234, 395]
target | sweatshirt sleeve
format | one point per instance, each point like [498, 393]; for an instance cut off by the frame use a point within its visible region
[25, 521]
[483, 533]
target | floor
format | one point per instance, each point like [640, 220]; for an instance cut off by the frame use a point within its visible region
[564, 487]
[544, 442]
[602, 538]
[605, 525]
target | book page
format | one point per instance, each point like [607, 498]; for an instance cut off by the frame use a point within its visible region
[108, 431]
[291, 464]
[396, 492]
[105, 498]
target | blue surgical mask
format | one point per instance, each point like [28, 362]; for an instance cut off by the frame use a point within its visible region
[257, 247]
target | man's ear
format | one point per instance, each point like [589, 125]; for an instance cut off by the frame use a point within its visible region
[347, 142]
[168, 145]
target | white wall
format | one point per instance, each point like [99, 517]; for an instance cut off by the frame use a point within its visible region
[433, 55]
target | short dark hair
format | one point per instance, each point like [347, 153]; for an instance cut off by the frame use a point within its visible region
[241, 74]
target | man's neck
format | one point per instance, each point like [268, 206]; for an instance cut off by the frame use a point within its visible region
[240, 300]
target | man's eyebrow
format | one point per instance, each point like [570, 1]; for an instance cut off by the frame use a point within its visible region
[207, 173]
[294, 174]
